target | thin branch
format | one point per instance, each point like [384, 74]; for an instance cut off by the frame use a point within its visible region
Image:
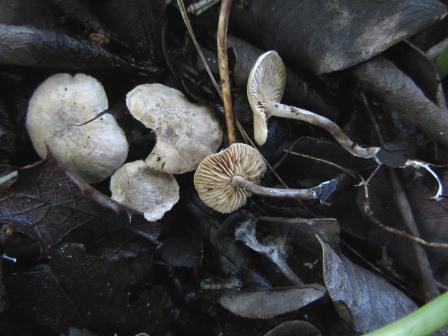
[223, 64]
[430, 289]
[349, 172]
[183, 12]
[371, 215]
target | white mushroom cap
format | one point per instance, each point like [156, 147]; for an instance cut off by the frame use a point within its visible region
[145, 190]
[59, 105]
[213, 178]
[266, 84]
[186, 133]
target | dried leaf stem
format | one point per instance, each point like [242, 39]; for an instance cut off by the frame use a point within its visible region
[224, 68]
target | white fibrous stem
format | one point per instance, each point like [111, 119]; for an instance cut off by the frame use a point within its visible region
[301, 194]
[291, 112]
[427, 166]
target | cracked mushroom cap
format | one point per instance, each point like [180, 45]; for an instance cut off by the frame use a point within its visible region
[266, 84]
[186, 133]
[213, 178]
[56, 112]
[145, 190]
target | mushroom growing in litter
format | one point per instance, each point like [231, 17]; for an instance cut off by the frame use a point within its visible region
[186, 133]
[265, 89]
[226, 179]
[61, 115]
[145, 190]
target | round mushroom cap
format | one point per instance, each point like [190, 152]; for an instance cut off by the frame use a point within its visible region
[145, 190]
[60, 115]
[266, 84]
[213, 178]
[186, 133]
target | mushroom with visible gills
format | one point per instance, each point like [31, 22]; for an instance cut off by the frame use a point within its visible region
[226, 179]
[145, 190]
[265, 89]
[186, 133]
[63, 114]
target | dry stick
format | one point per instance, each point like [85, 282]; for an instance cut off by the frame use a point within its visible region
[183, 12]
[369, 212]
[223, 64]
[430, 290]
[367, 208]
[429, 283]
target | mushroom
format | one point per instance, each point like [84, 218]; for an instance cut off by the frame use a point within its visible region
[145, 190]
[265, 88]
[186, 133]
[62, 114]
[225, 180]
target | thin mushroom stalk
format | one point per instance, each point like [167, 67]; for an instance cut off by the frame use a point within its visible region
[265, 89]
[301, 194]
[291, 112]
[225, 180]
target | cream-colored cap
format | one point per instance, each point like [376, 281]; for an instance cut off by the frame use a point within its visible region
[266, 84]
[145, 190]
[60, 115]
[213, 178]
[186, 133]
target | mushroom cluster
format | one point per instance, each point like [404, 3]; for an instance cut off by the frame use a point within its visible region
[68, 115]
[185, 133]
[225, 180]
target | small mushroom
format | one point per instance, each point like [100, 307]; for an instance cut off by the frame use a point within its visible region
[186, 133]
[265, 89]
[226, 179]
[145, 190]
[62, 115]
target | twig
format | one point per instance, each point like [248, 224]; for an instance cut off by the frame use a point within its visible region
[368, 210]
[183, 12]
[401, 199]
[201, 6]
[329, 163]
[429, 284]
[223, 64]
[371, 215]
[295, 220]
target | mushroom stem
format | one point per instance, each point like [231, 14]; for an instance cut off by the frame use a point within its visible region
[302, 194]
[291, 112]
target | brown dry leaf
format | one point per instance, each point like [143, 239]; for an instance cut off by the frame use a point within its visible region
[46, 203]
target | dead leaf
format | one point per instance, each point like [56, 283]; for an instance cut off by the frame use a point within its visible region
[77, 332]
[47, 204]
[361, 297]
[266, 304]
[294, 328]
[107, 289]
[333, 35]
[181, 252]
[431, 217]
[37, 297]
